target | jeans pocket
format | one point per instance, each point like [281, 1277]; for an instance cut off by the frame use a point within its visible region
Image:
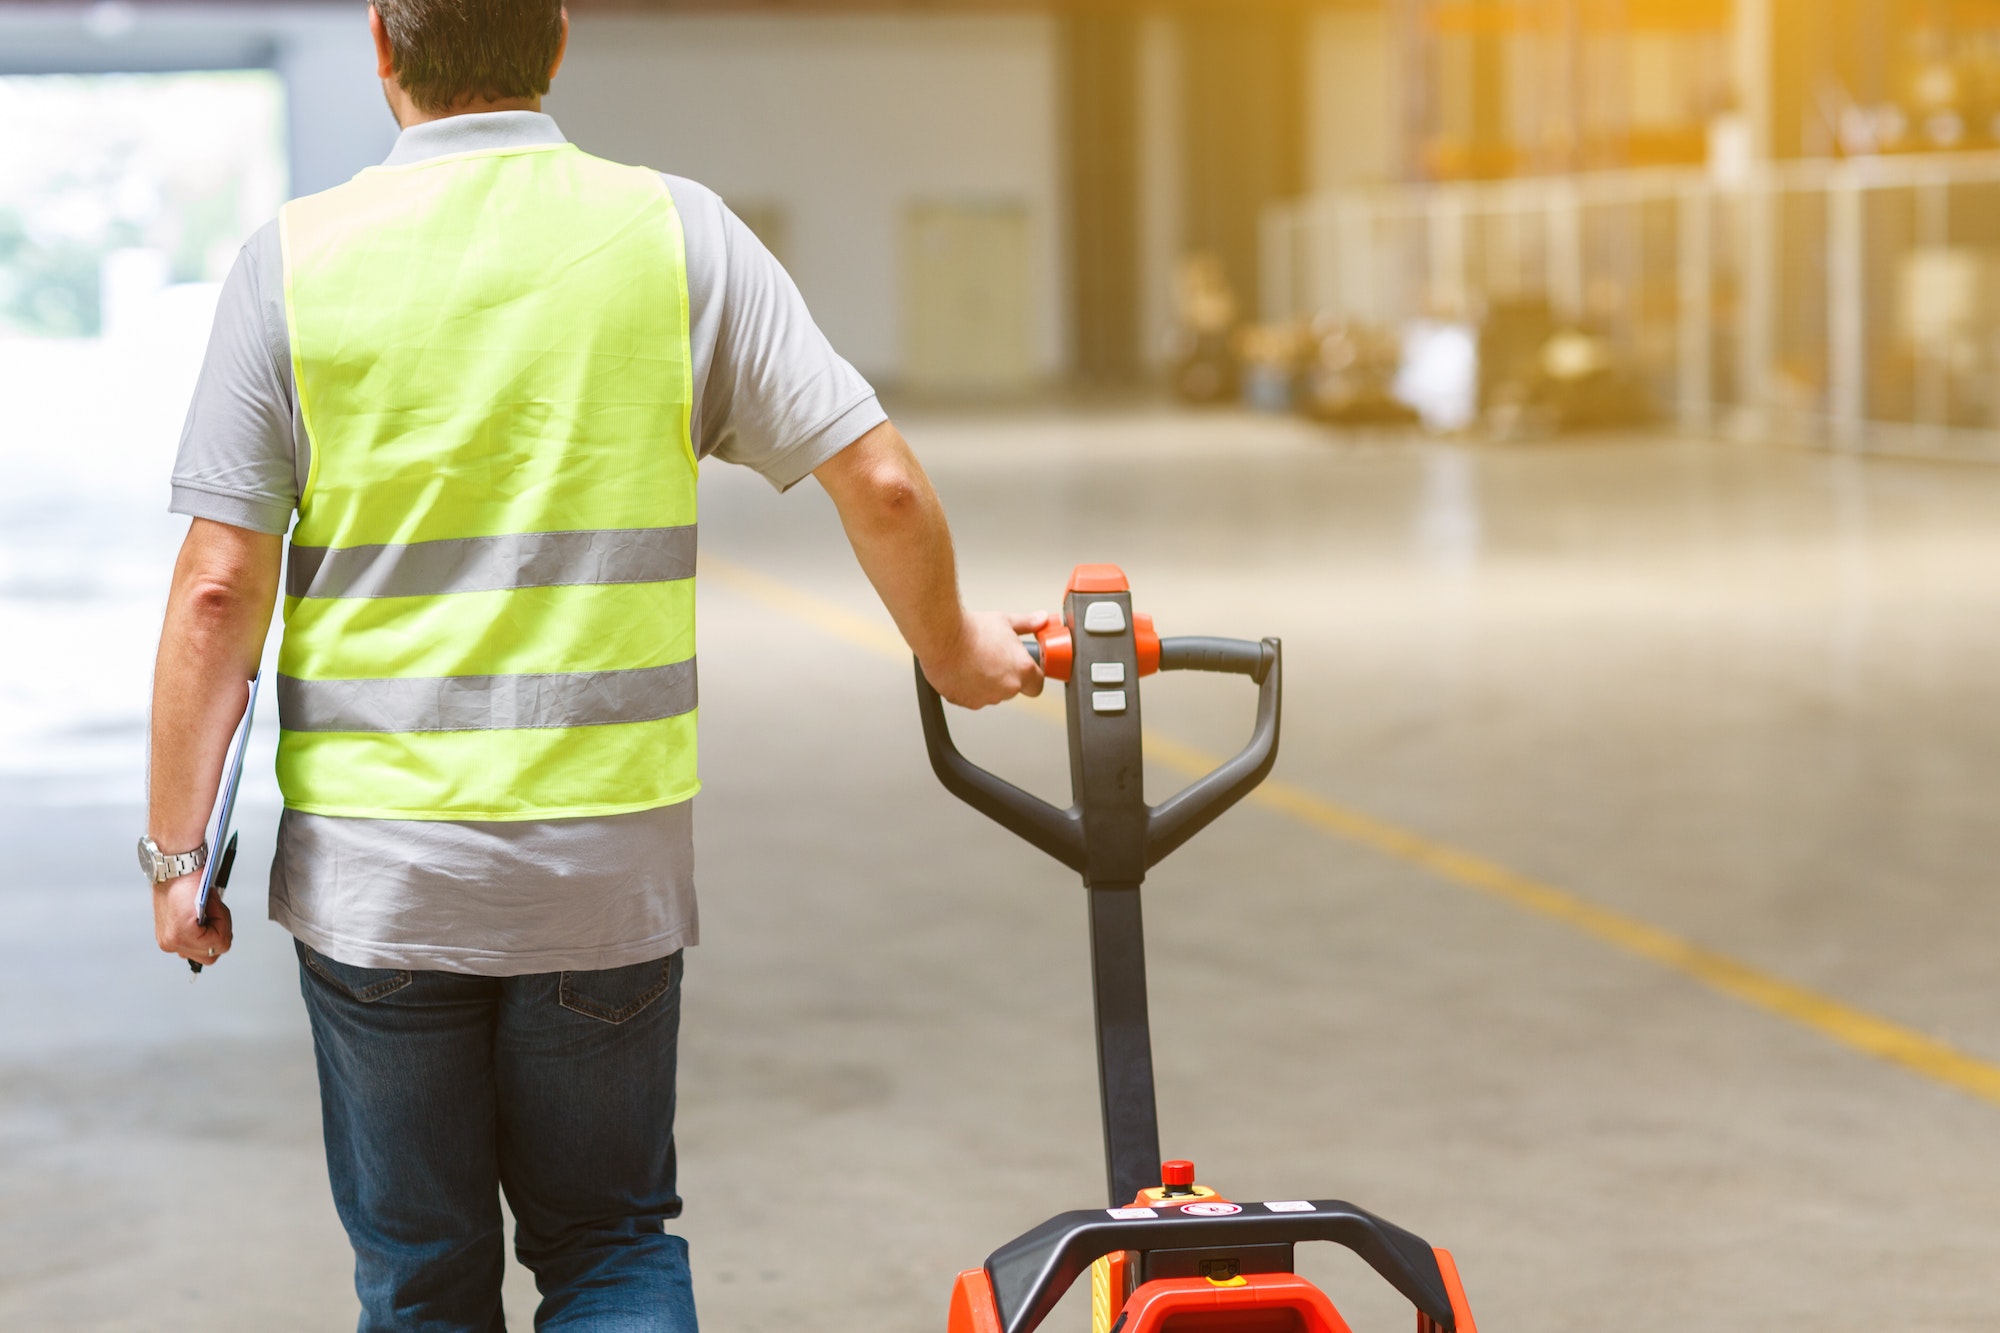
[365, 984]
[618, 993]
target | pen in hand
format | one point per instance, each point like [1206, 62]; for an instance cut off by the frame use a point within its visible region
[220, 883]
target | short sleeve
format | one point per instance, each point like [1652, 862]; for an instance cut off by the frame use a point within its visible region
[776, 397]
[237, 458]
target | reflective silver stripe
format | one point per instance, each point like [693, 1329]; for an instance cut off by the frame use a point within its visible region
[487, 703]
[484, 564]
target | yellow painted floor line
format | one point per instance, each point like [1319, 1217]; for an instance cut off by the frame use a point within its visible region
[1851, 1027]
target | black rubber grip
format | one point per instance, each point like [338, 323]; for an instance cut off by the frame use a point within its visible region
[1236, 657]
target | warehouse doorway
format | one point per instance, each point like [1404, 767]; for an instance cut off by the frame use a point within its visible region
[966, 298]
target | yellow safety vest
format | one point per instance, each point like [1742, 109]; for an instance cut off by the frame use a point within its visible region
[489, 604]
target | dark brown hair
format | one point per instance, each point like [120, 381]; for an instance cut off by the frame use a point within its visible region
[446, 51]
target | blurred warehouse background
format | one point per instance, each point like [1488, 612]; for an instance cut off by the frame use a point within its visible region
[1771, 221]
[1768, 216]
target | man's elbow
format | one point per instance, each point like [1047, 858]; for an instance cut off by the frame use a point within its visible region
[878, 484]
[218, 599]
[896, 496]
[226, 578]
[885, 497]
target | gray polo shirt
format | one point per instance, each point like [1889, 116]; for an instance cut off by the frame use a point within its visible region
[502, 899]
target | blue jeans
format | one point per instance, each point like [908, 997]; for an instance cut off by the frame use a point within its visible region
[439, 1090]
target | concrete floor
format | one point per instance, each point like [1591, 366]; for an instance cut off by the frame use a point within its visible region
[1746, 695]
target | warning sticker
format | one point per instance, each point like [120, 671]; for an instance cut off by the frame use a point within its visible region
[1213, 1208]
[1131, 1214]
[1290, 1206]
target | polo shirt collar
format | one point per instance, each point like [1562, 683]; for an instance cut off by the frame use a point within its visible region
[472, 133]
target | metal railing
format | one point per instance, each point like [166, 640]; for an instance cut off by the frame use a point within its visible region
[1851, 303]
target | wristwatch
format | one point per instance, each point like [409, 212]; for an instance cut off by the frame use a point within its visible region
[160, 867]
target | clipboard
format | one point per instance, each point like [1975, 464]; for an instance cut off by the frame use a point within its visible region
[215, 877]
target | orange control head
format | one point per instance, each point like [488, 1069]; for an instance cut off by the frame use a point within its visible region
[1058, 652]
[1098, 578]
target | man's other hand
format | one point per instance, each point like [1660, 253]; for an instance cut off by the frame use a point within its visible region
[987, 664]
[174, 927]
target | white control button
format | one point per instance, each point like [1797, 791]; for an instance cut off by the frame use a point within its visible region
[1107, 701]
[1104, 618]
[1107, 673]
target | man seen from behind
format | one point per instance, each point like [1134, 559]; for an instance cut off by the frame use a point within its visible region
[481, 376]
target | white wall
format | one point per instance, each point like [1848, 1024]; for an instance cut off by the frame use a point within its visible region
[338, 122]
[1350, 107]
[843, 121]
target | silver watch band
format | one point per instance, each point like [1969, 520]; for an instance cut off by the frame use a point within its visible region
[162, 866]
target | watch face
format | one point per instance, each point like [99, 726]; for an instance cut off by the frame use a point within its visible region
[146, 856]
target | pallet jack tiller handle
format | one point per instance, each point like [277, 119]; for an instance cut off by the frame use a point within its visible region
[1168, 825]
[1164, 1254]
[1101, 648]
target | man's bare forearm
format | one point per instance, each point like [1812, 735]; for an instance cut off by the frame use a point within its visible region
[217, 615]
[901, 538]
[898, 530]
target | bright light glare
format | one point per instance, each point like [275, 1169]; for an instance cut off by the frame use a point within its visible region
[183, 165]
[120, 212]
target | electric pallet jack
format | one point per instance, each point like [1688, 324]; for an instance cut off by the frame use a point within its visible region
[1168, 1255]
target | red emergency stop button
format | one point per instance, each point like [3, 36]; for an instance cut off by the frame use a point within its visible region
[1177, 1175]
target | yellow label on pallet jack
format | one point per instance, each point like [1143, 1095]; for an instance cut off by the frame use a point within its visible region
[1102, 1307]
